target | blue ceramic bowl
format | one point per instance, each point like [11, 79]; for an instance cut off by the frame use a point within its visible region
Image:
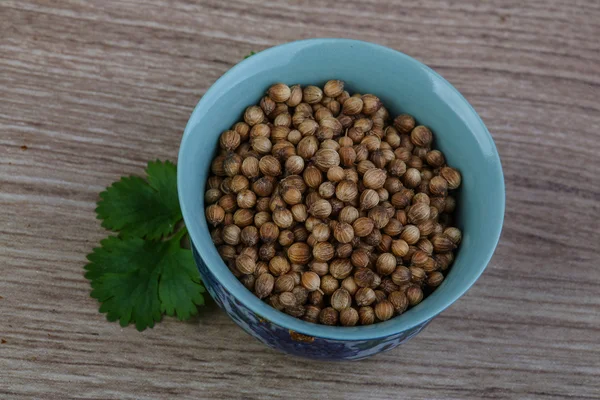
[404, 85]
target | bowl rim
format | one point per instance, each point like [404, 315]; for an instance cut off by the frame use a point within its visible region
[231, 284]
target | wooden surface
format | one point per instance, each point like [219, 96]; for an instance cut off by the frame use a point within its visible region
[92, 89]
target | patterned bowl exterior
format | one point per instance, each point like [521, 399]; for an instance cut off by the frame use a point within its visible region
[292, 342]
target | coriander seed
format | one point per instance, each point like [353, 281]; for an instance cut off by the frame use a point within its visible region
[343, 232]
[366, 315]
[329, 284]
[279, 92]
[215, 214]
[335, 174]
[414, 294]
[245, 264]
[417, 274]
[360, 258]
[312, 176]
[295, 96]
[438, 186]
[287, 299]
[380, 296]
[279, 266]
[421, 136]
[249, 236]
[286, 238]
[231, 234]
[418, 213]
[311, 314]
[435, 158]
[328, 316]
[312, 94]
[299, 253]
[350, 285]
[311, 281]
[363, 226]
[253, 115]
[399, 301]
[404, 123]
[320, 209]
[267, 104]
[284, 283]
[319, 268]
[374, 178]
[442, 243]
[364, 296]
[264, 284]
[299, 212]
[266, 252]
[401, 275]
[348, 215]
[346, 191]
[333, 88]
[352, 106]
[327, 190]
[349, 317]
[453, 234]
[368, 199]
[323, 251]
[386, 264]
[434, 279]
[341, 299]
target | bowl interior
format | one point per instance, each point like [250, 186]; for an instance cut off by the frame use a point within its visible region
[404, 85]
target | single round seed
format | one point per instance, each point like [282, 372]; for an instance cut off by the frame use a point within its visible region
[435, 279]
[279, 92]
[245, 264]
[352, 106]
[284, 283]
[279, 265]
[364, 296]
[421, 136]
[311, 280]
[350, 285]
[366, 315]
[414, 294]
[326, 158]
[299, 253]
[215, 214]
[320, 209]
[328, 316]
[384, 310]
[349, 317]
[253, 115]
[329, 284]
[312, 94]
[323, 251]
[333, 88]
[363, 226]
[341, 299]
[360, 258]
[264, 284]
[288, 299]
[386, 264]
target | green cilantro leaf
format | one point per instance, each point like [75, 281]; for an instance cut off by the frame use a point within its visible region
[137, 280]
[250, 55]
[137, 207]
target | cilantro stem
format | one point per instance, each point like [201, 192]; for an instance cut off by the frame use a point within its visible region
[179, 235]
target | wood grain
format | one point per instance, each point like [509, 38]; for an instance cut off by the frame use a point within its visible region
[91, 90]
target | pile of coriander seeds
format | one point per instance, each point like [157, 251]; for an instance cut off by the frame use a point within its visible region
[329, 209]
